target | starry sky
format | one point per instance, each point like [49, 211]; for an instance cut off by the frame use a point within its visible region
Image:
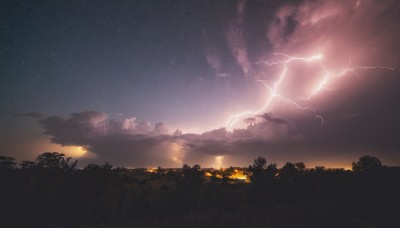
[215, 83]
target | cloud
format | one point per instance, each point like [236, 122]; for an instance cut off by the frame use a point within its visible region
[272, 129]
[160, 129]
[177, 132]
[346, 33]
[127, 142]
[131, 143]
[361, 30]
[82, 127]
[361, 115]
[238, 48]
[78, 129]
[214, 60]
[143, 128]
[236, 40]
[124, 141]
[269, 117]
[250, 120]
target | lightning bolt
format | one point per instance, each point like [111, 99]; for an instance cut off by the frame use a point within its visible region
[321, 85]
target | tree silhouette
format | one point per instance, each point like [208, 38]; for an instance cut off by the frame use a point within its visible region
[97, 168]
[160, 171]
[272, 170]
[101, 194]
[7, 162]
[258, 170]
[288, 171]
[55, 160]
[366, 163]
[300, 166]
[192, 172]
[27, 164]
[319, 170]
[260, 163]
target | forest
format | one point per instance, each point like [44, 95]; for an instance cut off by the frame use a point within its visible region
[52, 192]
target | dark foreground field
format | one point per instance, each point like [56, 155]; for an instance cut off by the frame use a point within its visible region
[51, 192]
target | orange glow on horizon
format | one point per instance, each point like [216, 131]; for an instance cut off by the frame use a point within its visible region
[151, 170]
[239, 175]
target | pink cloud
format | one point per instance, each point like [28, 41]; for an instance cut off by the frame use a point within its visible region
[237, 41]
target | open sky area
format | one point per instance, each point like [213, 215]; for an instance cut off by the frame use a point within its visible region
[216, 83]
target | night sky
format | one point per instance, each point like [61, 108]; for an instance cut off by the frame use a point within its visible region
[215, 83]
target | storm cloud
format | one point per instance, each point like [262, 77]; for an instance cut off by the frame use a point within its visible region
[192, 75]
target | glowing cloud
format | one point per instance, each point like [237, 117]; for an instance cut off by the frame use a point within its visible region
[274, 88]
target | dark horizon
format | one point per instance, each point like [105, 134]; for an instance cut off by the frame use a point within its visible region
[52, 192]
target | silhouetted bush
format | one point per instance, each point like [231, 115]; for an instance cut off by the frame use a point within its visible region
[50, 192]
[7, 163]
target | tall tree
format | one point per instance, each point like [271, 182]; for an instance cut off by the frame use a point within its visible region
[258, 170]
[55, 160]
[366, 163]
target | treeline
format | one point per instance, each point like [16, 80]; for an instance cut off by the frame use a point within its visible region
[52, 192]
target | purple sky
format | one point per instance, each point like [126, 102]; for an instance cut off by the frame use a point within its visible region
[155, 83]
